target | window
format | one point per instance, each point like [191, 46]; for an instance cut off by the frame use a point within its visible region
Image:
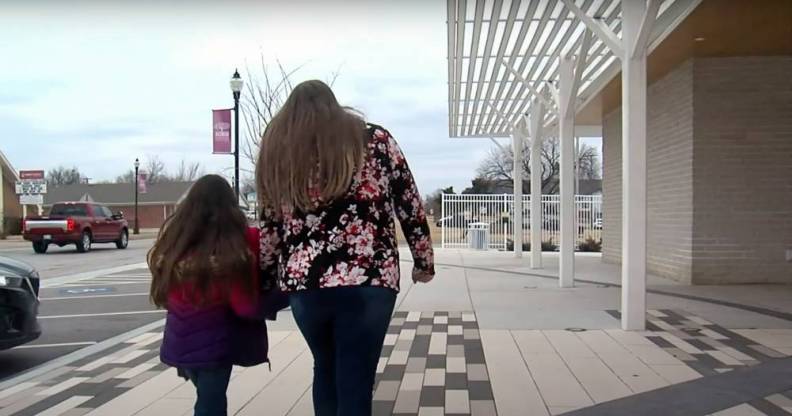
[98, 211]
[107, 212]
[74, 210]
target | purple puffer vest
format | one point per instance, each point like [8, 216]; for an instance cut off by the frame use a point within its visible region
[211, 337]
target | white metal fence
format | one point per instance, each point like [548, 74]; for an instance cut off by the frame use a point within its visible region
[459, 211]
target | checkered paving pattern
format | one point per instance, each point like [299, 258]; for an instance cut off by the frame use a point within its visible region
[86, 384]
[706, 347]
[433, 364]
[711, 349]
[776, 405]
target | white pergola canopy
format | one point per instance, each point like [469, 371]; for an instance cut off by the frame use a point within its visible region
[517, 67]
[502, 54]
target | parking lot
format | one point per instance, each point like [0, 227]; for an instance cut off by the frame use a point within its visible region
[61, 261]
[85, 299]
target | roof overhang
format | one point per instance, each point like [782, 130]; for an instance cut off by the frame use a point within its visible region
[9, 173]
[715, 29]
[504, 53]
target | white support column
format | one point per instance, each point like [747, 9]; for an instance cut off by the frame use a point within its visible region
[517, 144]
[577, 165]
[566, 139]
[570, 71]
[537, 140]
[637, 18]
[442, 218]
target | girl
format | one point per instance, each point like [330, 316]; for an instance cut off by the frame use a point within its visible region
[204, 273]
[331, 186]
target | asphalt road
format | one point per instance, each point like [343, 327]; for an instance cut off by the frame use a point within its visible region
[75, 315]
[60, 261]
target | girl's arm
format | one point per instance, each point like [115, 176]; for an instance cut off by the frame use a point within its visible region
[245, 300]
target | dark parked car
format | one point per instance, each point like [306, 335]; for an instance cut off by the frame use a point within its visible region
[19, 288]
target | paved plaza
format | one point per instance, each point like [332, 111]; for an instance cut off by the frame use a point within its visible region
[488, 337]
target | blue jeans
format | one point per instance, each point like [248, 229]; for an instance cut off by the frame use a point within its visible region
[345, 328]
[211, 385]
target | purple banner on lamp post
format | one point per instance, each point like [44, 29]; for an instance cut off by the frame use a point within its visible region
[221, 131]
[142, 182]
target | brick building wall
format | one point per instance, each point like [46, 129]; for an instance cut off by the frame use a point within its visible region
[611, 187]
[150, 216]
[12, 210]
[742, 195]
[669, 180]
[719, 163]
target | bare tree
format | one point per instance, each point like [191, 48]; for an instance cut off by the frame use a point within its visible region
[589, 166]
[268, 87]
[267, 90]
[551, 165]
[155, 170]
[187, 172]
[63, 176]
[497, 165]
[434, 201]
[248, 186]
[126, 177]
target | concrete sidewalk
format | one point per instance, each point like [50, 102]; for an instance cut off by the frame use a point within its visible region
[487, 337]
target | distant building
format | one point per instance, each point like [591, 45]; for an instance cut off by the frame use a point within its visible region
[10, 208]
[154, 206]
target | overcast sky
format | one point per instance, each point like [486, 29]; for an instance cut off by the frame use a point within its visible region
[96, 84]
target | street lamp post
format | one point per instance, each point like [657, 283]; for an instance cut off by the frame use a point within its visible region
[136, 230]
[236, 88]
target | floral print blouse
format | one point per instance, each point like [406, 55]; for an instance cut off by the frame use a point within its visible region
[352, 240]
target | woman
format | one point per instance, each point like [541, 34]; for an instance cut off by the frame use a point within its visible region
[330, 186]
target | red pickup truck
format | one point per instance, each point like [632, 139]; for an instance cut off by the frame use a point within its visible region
[78, 223]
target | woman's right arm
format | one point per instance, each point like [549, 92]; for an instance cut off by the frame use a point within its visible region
[410, 212]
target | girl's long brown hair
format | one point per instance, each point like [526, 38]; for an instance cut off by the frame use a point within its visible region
[202, 244]
[310, 150]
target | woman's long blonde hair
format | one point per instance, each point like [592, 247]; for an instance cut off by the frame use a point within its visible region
[310, 150]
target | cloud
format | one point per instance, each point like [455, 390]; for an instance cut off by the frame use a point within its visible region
[97, 84]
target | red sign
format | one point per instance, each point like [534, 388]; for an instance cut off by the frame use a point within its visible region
[142, 178]
[221, 131]
[27, 175]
